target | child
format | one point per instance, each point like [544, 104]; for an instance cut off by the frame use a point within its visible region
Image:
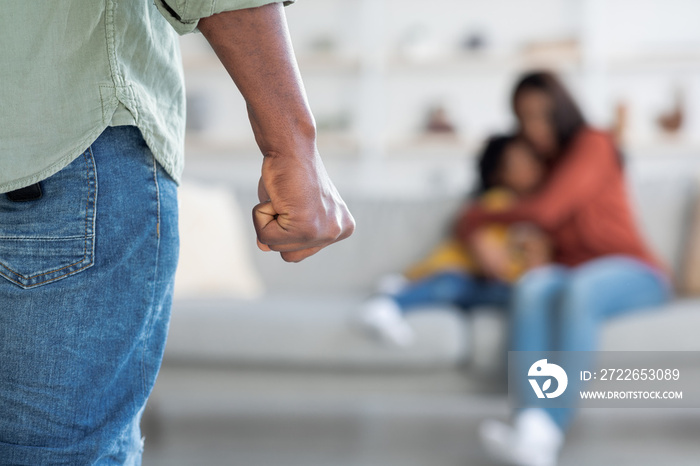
[451, 274]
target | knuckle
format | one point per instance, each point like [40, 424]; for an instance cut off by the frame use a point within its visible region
[326, 228]
[351, 228]
[311, 231]
[308, 235]
[291, 258]
[336, 231]
[262, 237]
[347, 232]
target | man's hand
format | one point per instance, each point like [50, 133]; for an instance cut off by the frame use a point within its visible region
[300, 211]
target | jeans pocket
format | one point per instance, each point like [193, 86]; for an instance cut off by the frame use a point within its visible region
[44, 240]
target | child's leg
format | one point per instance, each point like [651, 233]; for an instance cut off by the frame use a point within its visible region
[452, 288]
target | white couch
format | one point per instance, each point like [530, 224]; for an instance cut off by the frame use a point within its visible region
[304, 318]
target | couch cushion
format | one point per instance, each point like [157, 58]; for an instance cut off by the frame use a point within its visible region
[673, 327]
[304, 331]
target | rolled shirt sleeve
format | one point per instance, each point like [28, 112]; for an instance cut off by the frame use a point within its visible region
[184, 15]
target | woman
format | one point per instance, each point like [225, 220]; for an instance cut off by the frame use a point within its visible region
[603, 267]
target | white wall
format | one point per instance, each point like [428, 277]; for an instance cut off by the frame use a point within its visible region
[636, 51]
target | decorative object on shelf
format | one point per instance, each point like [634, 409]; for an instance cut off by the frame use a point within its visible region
[335, 133]
[619, 126]
[323, 44]
[419, 45]
[438, 122]
[336, 122]
[474, 41]
[671, 121]
[552, 51]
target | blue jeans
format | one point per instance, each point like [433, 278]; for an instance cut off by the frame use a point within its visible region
[86, 277]
[453, 288]
[555, 308]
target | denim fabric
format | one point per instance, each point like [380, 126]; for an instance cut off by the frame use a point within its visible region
[86, 276]
[455, 289]
[555, 308]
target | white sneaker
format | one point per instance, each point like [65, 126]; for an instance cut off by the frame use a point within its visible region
[533, 440]
[383, 318]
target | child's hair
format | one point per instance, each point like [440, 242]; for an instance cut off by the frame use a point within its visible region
[490, 161]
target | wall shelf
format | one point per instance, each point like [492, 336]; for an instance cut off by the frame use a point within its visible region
[353, 56]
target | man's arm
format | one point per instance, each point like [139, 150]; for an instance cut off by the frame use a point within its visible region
[300, 211]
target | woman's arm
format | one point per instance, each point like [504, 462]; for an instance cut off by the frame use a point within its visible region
[587, 167]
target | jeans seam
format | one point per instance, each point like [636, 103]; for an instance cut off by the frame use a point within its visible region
[155, 181]
[151, 317]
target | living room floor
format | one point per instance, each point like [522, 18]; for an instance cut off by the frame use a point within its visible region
[214, 416]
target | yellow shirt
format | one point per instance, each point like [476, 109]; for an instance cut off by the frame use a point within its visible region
[450, 254]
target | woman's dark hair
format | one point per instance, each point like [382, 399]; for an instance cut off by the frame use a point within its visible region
[490, 162]
[566, 117]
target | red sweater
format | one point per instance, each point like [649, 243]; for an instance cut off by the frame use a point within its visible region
[583, 206]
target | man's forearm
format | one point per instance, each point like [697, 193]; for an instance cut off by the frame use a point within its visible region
[254, 46]
[300, 210]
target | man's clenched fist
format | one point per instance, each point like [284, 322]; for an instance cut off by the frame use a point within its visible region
[300, 210]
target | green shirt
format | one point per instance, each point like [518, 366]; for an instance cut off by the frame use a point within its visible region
[70, 68]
